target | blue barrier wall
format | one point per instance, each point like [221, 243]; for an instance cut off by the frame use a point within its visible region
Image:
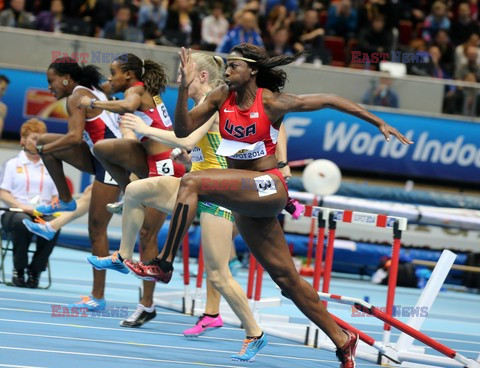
[444, 149]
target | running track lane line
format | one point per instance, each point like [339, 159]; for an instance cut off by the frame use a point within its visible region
[118, 357]
[161, 346]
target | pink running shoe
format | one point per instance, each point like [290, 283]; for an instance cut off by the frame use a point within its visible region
[150, 272]
[204, 324]
[295, 208]
[346, 354]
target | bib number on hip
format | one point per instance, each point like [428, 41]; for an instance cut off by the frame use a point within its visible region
[265, 185]
[165, 167]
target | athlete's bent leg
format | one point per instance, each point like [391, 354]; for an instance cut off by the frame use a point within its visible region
[216, 235]
[98, 219]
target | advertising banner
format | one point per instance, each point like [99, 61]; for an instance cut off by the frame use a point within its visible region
[444, 149]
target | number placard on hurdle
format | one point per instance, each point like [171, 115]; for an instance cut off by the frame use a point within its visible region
[355, 217]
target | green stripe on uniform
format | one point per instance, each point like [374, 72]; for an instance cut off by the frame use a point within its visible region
[214, 140]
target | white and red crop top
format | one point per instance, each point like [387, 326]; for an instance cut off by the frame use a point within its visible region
[246, 134]
[104, 125]
[156, 117]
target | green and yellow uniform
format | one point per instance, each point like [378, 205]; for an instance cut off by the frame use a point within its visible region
[204, 157]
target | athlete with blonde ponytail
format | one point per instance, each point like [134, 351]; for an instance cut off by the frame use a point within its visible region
[216, 222]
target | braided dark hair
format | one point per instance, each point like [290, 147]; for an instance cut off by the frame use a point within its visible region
[267, 77]
[88, 76]
[149, 72]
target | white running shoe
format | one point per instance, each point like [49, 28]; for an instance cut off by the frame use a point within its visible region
[116, 207]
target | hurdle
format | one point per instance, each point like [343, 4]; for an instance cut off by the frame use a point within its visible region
[403, 351]
[363, 306]
[331, 217]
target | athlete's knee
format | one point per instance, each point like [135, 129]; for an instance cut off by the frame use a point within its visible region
[218, 279]
[97, 229]
[285, 279]
[133, 191]
[190, 182]
[101, 149]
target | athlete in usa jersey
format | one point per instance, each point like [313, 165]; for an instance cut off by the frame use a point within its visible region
[251, 186]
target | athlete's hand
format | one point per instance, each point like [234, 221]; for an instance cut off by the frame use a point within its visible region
[84, 101]
[181, 156]
[133, 122]
[286, 172]
[187, 68]
[30, 147]
[388, 130]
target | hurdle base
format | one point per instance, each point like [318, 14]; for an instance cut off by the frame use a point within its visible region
[433, 360]
[306, 271]
[173, 300]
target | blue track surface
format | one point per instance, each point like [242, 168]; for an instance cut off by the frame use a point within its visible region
[31, 337]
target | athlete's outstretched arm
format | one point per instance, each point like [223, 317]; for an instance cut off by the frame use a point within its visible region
[129, 103]
[283, 103]
[74, 135]
[133, 122]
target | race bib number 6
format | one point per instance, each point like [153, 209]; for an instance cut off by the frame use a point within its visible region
[165, 167]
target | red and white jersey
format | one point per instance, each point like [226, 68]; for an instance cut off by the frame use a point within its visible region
[104, 125]
[156, 117]
[246, 134]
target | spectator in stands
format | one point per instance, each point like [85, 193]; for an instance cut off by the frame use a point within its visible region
[463, 26]
[51, 21]
[372, 8]
[277, 18]
[25, 183]
[214, 28]
[291, 6]
[183, 24]
[307, 35]
[121, 29]
[470, 66]
[16, 16]
[94, 12]
[414, 11]
[152, 18]
[474, 9]
[36, 6]
[435, 21]
[246, 31]
[432, 68]
[381, 93]
[447, 58]
[4, 82]
[342, 19]
[468, 98]
[280, 44]
[375, 37]
[461, 50]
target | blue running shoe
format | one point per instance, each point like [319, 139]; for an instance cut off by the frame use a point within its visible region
[250, 348]
[108, 263]
[45, 230]
[57, 205]
[90, 303]
[235, 265]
